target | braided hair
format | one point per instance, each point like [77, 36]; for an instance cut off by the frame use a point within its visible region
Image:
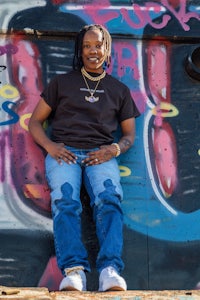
[107, 40]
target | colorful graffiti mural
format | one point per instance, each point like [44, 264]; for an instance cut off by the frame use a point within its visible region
[156, 53]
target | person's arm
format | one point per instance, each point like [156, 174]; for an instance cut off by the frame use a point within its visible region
[107, 152]
[56, 150]
[128, 134]
[39, 116]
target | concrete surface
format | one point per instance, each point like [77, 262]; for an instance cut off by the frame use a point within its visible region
[44, 294]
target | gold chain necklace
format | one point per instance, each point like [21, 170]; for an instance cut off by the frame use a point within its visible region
[96, 78]
[91, 98]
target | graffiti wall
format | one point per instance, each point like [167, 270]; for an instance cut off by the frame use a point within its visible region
[156, 52]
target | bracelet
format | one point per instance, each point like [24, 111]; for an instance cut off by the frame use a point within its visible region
[118, 149]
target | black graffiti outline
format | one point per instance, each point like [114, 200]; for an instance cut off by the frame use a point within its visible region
[2, 68]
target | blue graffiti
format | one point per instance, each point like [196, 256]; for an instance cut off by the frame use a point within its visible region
[143, 212]
[14, 117]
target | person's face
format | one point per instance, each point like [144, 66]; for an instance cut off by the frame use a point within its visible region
[93, 51]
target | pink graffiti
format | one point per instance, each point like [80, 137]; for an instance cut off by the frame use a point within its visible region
[97, 11]
[165, 157]
[52, 275]
[3, 137]
[127, 59]
[181, 15]
[143, 16]
[158, 72]
[28, 158]
[164, 142]
[100, 13]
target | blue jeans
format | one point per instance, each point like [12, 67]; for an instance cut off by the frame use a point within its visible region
[102, 183]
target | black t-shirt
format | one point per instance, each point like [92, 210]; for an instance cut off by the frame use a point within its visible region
[79, 123]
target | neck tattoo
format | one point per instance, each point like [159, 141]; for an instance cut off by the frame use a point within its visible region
[91, 98]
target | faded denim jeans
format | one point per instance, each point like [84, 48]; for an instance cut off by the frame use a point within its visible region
[102, 183]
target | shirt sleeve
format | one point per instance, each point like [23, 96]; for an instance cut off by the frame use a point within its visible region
[128, 108]
[50, 93]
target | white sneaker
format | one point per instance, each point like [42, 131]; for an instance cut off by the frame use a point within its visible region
[74, 281]
[110, 280]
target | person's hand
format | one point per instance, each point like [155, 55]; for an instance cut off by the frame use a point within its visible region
[100, 156]
[60, 153]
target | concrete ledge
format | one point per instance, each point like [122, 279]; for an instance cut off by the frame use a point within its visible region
[43, 294]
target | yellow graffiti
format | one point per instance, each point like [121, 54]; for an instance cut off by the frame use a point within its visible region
[165, 110]
[124, 171]
[9, 92]
[199, 151]
[23, 119]
[23, 122]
